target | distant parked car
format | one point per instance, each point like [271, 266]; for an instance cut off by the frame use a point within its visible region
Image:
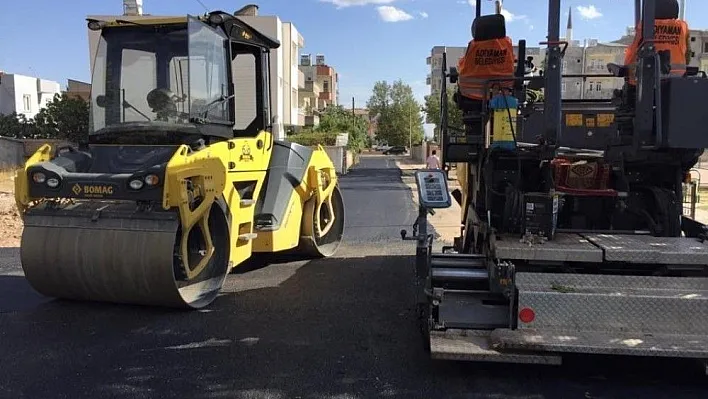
[396, 150]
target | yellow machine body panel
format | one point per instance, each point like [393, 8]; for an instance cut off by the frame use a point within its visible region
[235, 170]
[288, 235]
[307, 198]
[462, 172]
[22, 197]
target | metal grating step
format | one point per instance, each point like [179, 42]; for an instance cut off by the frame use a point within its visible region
[475, 345]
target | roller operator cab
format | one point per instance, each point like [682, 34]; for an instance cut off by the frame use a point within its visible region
[180, 179]
[570, 242]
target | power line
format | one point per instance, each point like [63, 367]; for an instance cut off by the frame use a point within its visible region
[202, 4]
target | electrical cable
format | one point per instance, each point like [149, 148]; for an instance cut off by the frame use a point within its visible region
[202, 4]
[513, 136]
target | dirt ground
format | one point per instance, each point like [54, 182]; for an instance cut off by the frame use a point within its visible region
[10, 222]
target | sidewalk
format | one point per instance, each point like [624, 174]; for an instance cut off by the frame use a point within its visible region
[446, 221]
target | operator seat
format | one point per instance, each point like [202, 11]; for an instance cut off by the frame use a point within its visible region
[497, 60]
[672, 56]
[672, 47]
[489, 55]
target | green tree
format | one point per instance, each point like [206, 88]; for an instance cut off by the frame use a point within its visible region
[398, 112]
[64, 117]
[19, 126]
[432, 110]
[333, 120]
[10, 125]
[336, 119]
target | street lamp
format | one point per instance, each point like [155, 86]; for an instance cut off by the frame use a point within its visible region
[410, 128]
[410, 132]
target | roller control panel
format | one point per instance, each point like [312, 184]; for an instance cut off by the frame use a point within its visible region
[432, 188]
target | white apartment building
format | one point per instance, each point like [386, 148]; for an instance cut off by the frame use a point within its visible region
[434, 79]
[284, 73]
[321, 83]
[25, 94]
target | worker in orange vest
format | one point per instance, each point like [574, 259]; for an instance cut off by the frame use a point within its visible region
[489, 55]
[670, 34]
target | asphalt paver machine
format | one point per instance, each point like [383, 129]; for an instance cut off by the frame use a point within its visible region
[567, 249]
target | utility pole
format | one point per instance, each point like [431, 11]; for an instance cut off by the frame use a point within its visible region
[353, 114]
[410, 131]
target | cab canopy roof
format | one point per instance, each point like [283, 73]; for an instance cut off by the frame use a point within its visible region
[236, 29]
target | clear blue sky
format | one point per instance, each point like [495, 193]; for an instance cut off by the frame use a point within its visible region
[365, 40]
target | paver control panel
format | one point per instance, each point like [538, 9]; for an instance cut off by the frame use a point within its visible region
[432, 188]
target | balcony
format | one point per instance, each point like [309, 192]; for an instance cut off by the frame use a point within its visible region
[47, 86]
[323, 70]
[326, 95]
[300, 80]
[311, 88]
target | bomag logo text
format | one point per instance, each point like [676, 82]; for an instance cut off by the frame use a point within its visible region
[92, 189]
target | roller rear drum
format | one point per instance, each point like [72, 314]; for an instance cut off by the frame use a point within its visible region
[323, 227]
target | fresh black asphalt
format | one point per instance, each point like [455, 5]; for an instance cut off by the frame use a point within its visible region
[335, 328]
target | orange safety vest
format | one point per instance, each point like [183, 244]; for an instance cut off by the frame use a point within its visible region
[670, 34]
[487, 59]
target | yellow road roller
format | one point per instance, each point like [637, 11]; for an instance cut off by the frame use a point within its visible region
[180, 179]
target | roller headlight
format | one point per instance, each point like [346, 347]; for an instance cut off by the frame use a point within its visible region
[53, 182]
[152, 180]
[39, 177]
[136, 184]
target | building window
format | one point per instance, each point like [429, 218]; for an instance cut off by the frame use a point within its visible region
[325, 86]
[27, 102]
[562, 87]
[705, 47]
[294, 54]
[598, 86]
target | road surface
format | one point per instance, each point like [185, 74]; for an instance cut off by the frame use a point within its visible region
[335, 328]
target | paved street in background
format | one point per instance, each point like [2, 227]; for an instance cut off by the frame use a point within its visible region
[334, 328]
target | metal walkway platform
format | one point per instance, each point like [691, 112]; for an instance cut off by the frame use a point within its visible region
[475, 345]
[599, 248]
[564, 248]
[649, 249]
[598, 342]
